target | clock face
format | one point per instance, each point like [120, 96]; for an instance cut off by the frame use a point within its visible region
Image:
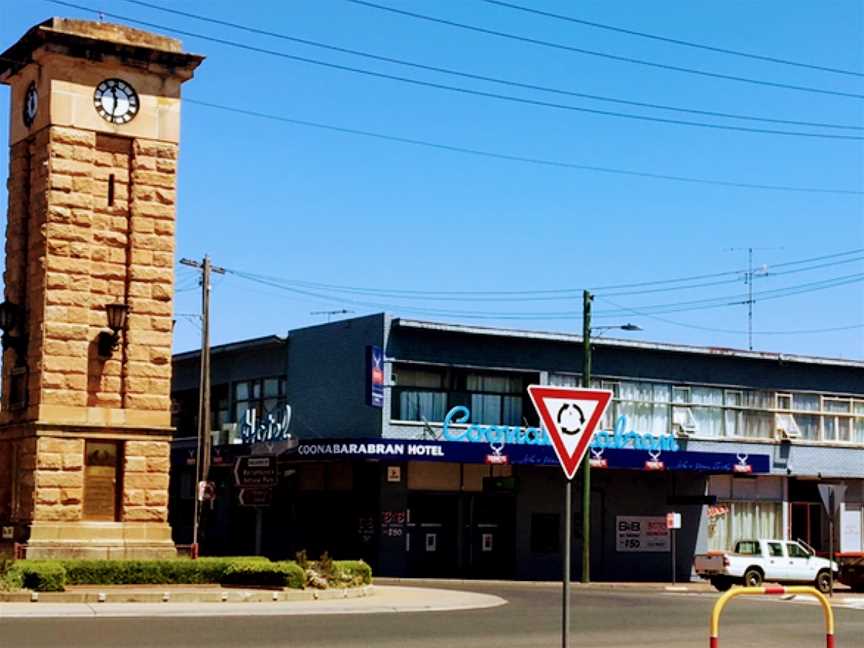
[116, 101]
[31, 105]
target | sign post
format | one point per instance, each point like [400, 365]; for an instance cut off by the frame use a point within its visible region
[832, 497]
[673, 523]
[570, 417]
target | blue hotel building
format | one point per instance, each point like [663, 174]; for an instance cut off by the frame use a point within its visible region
[419, 450]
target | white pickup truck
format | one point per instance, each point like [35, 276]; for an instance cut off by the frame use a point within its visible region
[755, 561]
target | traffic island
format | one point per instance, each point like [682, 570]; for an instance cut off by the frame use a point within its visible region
[258, 573]
[94, 595]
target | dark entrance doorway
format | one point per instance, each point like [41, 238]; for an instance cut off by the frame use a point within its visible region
[490, 542]
[432, 535]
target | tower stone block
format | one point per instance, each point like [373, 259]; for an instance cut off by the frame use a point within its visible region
[85, 413]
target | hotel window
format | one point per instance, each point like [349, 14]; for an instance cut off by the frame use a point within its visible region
[683, 421]
[264, 396]
[419, 395]
[729, 522]
[747, 508]
[707, 411]
[758, 414]
[733, 414]
[646, 406]
[858, 425]
[837, 422]
[496, 399]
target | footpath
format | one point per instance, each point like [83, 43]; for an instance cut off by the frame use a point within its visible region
[177, 601]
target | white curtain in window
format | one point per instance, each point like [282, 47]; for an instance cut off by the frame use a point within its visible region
[734, 423]
[512, 411]
[706, 396]
[858, 431]
[417, 405]
[709, 421]
[565, 380]
[486, 409]
[805, 402]
[808, 426]
[758, 424]
[751, 520]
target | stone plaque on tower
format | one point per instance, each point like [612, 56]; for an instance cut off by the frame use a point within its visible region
[87, 315]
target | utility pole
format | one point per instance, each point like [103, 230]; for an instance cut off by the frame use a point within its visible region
[202, 462]
[587, 297]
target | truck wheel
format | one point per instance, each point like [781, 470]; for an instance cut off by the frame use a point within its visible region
[721, 584]
[823, 581]
[753, 577]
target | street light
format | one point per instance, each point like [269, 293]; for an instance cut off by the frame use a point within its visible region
[587, 297]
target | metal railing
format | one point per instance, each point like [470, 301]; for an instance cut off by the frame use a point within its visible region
[827, 612]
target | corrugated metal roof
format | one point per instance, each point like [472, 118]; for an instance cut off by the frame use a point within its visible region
[628, 344]
[251, 343]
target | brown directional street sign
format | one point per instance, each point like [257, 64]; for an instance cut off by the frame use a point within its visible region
[256, 496]
[254, 472]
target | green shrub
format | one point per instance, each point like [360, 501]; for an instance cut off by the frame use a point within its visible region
[182, 571]
[261, 574]
[351, 573]
[52, 575]
[36, 575]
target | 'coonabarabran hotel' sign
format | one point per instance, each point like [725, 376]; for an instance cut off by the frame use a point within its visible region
[617, 438]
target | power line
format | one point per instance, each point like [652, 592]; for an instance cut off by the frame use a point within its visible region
[524, 159]
[691, 305]
[606, 55]
[674, 41]
[711, 329]
[480, 77]
[525, 295]
[469, 91]
[644, 287]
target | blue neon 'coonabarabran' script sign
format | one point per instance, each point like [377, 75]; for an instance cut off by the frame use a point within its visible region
[617, 438]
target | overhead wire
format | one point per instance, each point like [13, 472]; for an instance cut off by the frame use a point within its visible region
[554, 294]
[674, 41]
[690, 305]
[524, 159]
[485, 78]
[711, 329]
[470, 91]
[605, 55]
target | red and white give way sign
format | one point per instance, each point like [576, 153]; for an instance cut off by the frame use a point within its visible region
[570, 416]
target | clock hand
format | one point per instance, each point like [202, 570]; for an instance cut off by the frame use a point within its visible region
[114, 95]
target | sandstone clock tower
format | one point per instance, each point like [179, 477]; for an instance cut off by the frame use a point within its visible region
[87, 316]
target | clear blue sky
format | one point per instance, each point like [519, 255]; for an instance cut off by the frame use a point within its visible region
[311, 205]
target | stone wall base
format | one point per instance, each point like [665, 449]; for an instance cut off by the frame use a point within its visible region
[106, 540]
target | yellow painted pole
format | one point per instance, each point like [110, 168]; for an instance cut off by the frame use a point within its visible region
[827, 612]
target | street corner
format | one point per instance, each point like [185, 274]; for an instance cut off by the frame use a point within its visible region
[372, 599]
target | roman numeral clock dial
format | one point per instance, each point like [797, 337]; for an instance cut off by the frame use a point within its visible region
[116, 101]
[31, 105]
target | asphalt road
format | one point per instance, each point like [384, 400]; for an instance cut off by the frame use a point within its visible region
[531, 620]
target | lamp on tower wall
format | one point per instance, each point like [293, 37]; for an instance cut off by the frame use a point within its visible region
[10, 316]
[116, 315]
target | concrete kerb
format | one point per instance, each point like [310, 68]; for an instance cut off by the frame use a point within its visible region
[375, 599]
[694, 586]
[92, 594]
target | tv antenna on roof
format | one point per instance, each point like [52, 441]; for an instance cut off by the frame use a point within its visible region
[331, 313]
[748, 281]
